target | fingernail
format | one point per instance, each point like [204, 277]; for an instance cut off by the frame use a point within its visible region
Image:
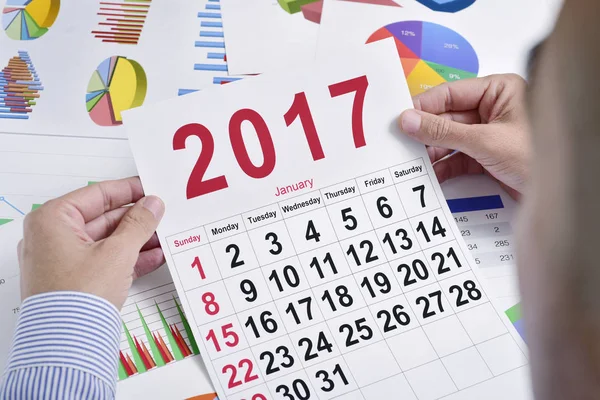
[154, 205]
[410, 121]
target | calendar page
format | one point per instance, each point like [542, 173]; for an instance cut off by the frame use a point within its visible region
[311, 244]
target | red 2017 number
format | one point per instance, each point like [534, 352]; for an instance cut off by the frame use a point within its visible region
[249, 377]
[358, 85]
[196, 185]
[239, 147]
[299, 109]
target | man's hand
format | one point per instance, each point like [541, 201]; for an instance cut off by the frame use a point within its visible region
[87, 241]
[484, 119]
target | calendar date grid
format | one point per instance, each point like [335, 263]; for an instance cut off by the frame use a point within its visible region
[372, 306]
[413, 309]
[418, 366]
[326, 328]
[383, 260]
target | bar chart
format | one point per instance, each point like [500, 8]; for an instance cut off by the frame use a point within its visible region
[211, 38]
[20, 87]
[211, 44]
[122, 21]
[157, 332]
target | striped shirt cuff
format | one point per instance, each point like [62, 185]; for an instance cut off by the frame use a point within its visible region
[68, 329]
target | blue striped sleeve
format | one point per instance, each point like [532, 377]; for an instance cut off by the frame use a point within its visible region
[66, 346]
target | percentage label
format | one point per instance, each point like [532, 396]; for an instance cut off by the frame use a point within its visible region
[451, 46]
[454, 76]
[408, 33]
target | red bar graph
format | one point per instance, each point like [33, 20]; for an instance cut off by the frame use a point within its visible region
[154, 352]
[123, 21]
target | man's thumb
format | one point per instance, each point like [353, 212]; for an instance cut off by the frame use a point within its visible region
[437, 131]
[139, 223]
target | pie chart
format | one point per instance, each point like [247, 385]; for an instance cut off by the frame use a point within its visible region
[29, 19]
[431, 54]
[118, 84]
[450, 6]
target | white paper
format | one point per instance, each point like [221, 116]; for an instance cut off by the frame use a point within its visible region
[10, 284]
[67, 55]
[501, 34]
[242, 316]
[488, 232]
[262, 37]
[34, 169]
[555, 7]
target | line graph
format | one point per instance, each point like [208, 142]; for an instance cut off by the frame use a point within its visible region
[8, 211]
[3, 200]
[9, 207]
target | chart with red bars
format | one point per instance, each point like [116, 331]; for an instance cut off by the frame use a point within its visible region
[20, 87]
[122, 21]
[156, 332]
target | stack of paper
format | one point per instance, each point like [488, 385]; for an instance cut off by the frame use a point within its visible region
[272, 173]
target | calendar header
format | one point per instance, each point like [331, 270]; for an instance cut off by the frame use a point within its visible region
[187, 240]
[409, 170]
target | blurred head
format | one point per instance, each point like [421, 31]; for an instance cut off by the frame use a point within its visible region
[560, 221]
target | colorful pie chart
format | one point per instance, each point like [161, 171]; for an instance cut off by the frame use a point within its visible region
[431, 54]
[118, 84]
[450, 6]
[29, 19]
